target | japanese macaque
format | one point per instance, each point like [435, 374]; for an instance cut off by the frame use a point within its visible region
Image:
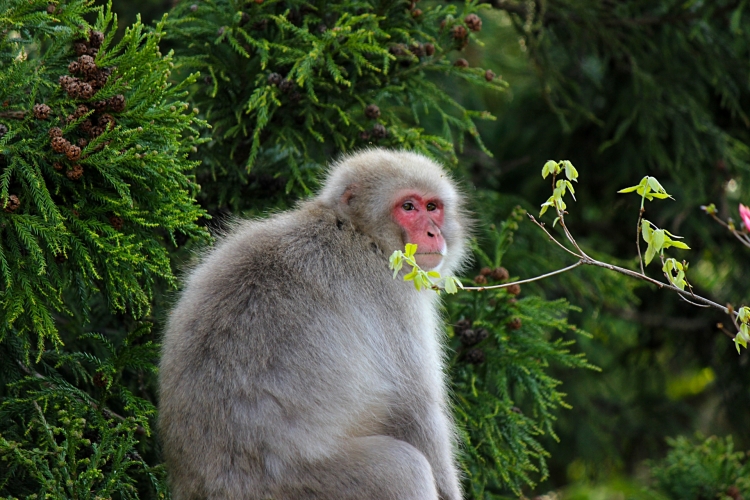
[295, 367]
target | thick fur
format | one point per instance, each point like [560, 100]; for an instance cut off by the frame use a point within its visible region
[295, 367]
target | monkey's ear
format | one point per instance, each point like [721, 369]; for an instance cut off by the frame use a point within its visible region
[349, 193]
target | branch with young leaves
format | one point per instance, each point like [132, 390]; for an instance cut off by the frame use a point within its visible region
[563, 174]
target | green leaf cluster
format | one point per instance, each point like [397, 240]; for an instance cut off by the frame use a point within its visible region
[658, 240]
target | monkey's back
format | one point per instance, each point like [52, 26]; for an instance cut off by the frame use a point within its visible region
[276, 350]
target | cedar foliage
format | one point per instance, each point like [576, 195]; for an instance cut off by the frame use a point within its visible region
[95, 186]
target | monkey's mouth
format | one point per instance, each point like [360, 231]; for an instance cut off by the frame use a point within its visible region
[428, 260]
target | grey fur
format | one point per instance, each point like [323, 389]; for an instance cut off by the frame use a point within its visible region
[295, 367]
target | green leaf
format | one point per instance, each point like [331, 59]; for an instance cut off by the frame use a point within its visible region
[657, 239]
[628, 189]
[570, 171]
[410, 250]
[550, 167]
[650, 252]
[679, 244]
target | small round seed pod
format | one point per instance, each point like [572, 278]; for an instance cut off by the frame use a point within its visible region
[59, 144]
[107, 121]
[13, 204]
[372, 112]
[379, 131]
[74, 67]
[286, 85]
[96, 38]
[73, 153]
[57, 165]
[514, 289]
[117, 103]
[87, 64]
[80, 48]
[461, 63]
[474, 22]
[429, 49]
[100, 105]
[485, 271]
[55, 132]
[86, 90]
[475, 356]
[499, 274]
[41, 111]
[514, 324]
[274, 79]
[459, 32]
[75, 173]
[116, 222]
[480, 280]
[364, 135]
[489, 75]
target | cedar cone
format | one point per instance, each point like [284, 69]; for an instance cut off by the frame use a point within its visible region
[379, 131]
[322, 28]
[364, 135]
[480, 280]
[274, 79]
[41, 111]
[86, 90]
[116, 222]
[475, 357]
[73, 88]
[75, 173]
[244, 17]
[461, 63]
[60, 258]
[100, 380]
[194, 7]
[471, 337]
[73, 153]
[474, 22]
[100, 105]
[96, 131]
[81, 110]
[57, 165]
[74, 67]
[59, 144]
[260, 25]
[96, 38]
[80, 48]
[85, 126]
[295, 97]
[65, 80]
[55, 132]
[489, 75]
[485, 271]
[462, 324]
[93, 51]
[107, 121]
[13, 204]
[499, 274]
[372, 111]
[514, 289]
[417, 49]
[398, 49]
[51, 8]
[429, 49]
[514, 324]
[82, 142]
[117, 103]
[88, 66]
[3, 130]
[100, 79]
[286, 85]
[459, 32]
[516, 409]
[416, 12]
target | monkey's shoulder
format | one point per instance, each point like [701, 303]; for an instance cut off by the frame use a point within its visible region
[310, 248]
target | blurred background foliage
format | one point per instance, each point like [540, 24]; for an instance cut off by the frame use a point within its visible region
[622, 89]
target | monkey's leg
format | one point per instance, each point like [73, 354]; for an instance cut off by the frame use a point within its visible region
[367, 468]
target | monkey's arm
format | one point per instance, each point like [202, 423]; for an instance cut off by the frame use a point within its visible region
[429, 429]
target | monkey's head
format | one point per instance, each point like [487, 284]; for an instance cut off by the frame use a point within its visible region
[399, 197]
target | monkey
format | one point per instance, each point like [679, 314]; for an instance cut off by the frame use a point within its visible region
[295, 367]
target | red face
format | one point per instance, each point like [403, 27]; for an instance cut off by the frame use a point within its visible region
[421, 218]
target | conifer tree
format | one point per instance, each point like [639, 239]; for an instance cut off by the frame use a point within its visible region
[95, 188]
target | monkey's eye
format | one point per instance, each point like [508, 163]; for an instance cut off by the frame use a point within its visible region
[408, 206]
[431, 206]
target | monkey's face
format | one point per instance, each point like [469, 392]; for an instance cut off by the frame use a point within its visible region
[421, 220]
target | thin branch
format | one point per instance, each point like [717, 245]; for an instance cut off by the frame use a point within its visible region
[544, 228]
[521, 282]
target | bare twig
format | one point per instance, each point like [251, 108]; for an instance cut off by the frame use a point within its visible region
[521, 282]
